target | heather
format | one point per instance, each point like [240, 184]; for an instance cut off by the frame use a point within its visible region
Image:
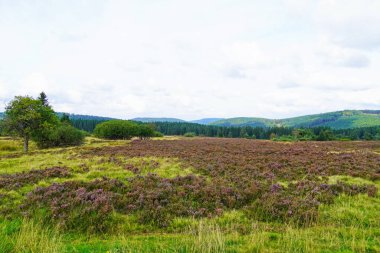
[192, 195]
[16, 180]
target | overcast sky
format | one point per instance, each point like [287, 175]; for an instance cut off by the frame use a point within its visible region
[192, 59]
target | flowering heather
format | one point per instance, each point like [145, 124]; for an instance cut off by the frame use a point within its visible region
[13, 181]
[240, 159]
[73, 205]
[298, 202]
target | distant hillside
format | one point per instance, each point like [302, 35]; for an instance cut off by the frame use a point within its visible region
[245, 121]
[205, 121]
[335, 120]
[147, 120]
[73, 116]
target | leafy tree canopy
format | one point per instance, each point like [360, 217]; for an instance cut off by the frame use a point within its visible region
[27, 117]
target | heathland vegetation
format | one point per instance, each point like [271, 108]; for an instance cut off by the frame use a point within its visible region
[191, 195]
[126, 188]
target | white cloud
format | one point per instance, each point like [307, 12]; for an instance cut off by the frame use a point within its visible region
[353, 23]
[192, 60]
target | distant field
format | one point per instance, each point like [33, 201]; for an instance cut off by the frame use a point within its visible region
[191, 195]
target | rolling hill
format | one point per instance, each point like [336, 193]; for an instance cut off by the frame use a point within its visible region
[84, 117]
[147, 120]
[335, 120]
[205, 121]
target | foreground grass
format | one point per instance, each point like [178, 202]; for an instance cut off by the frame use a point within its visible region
[351, 224]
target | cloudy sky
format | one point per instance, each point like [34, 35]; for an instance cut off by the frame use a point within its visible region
[192, 59]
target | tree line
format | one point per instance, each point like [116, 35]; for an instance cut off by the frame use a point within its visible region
[35, 119]
[266, 133]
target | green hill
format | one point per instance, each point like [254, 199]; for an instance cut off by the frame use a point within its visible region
[335, 120]
[84, 117]
[205, 121]
[147, 120]
[245, 121]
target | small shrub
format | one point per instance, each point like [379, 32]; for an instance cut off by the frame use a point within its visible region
[63, 135]
[157, 134]
[190, 134]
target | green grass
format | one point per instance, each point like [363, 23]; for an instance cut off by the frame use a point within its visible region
[30, 237]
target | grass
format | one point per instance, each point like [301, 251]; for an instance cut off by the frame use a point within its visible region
[30, 237]
[351, 224]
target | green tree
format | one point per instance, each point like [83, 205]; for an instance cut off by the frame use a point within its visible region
[43, 99]
[66, 119]
[145, 131]
[326, 135]
[27, 117]
[243, 133]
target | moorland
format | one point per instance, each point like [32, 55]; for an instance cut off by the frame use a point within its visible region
[177, 194]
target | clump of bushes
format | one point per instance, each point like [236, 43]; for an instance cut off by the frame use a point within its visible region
[17, 180]
[189, 134]
[123, 129]
[62, 135]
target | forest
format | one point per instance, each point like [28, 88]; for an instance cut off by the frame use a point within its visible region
[264, 133]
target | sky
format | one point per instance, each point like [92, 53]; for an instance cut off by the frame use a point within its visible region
[192, 59]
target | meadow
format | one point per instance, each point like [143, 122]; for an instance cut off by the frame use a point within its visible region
[176, 194]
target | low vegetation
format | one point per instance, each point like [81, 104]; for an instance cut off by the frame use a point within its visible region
[191, 195]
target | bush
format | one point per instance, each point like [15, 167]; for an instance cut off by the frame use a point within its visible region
[62, 135]
[123, 129]
[190, 134]
[2, 127]
[145, 131]
[116, 129]
[157, 134]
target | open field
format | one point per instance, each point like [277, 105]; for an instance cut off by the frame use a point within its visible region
[191, 195]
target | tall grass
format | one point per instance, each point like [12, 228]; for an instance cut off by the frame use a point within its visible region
[31, 238]
[207, 238]
[6, 145]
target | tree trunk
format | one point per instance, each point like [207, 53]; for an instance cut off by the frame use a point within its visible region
[26, 144]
